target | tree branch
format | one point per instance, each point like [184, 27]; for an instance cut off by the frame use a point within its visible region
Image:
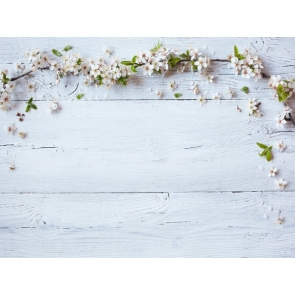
[290, 116]
[183, 60]
[27, 73]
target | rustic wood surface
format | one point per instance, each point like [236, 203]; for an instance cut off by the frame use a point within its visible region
[122, 173]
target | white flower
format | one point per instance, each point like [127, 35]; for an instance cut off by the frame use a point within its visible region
[216, 96]
[142, 57]
[31, 86]
[252, 108]
[172, 85]
[196, 90]
[280, 121]
[107, 51]
[53, 65]
[147, 69]
[156, 63]
[257, 73]
[247, 72]
[10, 129]
[252, 101]
[84, 68]
[281, 184]
[280, 220]
[280, 146]
[159, 94]
[5, 97]
[22, 134]
[201, 63]
[194, 53]
[272, 171]
[257, 113]
[11, 167]
[19, 67]
[231, 92]
[10, 86]
[53, 106]
[201, 99]
[210, 78]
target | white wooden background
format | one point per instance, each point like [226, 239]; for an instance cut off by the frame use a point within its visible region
[122, 173]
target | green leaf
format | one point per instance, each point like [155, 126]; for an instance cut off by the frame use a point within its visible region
[280, 88]
[266, 151]
[245, 89]
[184, 56]
[30, 105]
[263, 146]
[127, 63]
[79, 96]
[56, 52]
[282, 96]
[177, 95]
[33, 106]
[263, 153]
[4, 78]
[61, 76]
[67, 48]
[236, 50]
[133, 69]
[123, 80]
[173, 61]
[237, 54]
[157, 47]
[79, 61]
[134, 59]
[268, 156]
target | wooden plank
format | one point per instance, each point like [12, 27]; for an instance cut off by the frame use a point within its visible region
[147, 225]
[163, 146]
[276, 53]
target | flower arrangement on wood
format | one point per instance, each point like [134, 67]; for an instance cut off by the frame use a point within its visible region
[247, 64]
[159, 60]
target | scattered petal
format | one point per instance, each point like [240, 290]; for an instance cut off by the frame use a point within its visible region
[22, 134]
[272, 172]
[281, 184]
[159, 94]
[280, 146]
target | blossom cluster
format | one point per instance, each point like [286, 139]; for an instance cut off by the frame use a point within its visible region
[6, 90]
[253, 107]
[247, 64]
[283, 88]
[160, 59]
[282, 116]
[97, 72]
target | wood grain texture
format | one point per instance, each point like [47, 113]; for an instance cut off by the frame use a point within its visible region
[164, 146]
[122, 173]
[147, 225]
[276, 53]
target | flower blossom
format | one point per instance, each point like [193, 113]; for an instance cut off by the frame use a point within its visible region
[247, 64]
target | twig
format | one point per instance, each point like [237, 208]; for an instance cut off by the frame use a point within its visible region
[27, 73]
[290, 116]
[74, 90]
[183, 60]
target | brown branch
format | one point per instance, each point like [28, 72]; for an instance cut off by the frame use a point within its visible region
[290, 116]
[183, 60]
[27, 73]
